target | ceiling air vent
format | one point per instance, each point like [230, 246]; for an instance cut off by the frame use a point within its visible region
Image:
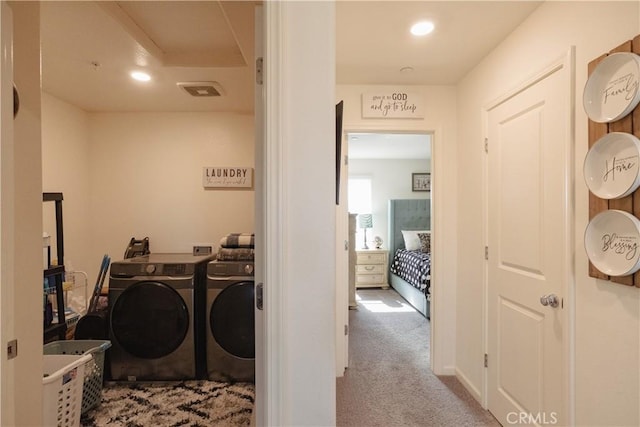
[199, 89]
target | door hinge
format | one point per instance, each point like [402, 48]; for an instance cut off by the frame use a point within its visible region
[486, 360]
[346, 329]
[259, 64]
[12, 349]
[486, 145]
[486, 253]
[346, 160]
[259, 296]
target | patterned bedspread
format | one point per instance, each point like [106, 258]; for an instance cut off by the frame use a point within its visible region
[414, 267]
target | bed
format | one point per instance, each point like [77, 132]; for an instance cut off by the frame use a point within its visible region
[410, 271]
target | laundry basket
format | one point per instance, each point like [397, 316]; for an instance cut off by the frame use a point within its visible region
[94, 369]
[62, 389]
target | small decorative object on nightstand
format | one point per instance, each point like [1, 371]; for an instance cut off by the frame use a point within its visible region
[371, 268]
[378, 241]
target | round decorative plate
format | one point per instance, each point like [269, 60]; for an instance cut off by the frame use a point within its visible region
[611, 91]
[612, 241]
[612, 166]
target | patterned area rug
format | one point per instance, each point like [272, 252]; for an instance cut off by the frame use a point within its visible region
[188, 403]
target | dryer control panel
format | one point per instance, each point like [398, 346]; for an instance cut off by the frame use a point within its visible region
[230, 268]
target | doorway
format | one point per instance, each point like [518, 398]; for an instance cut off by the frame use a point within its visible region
[380, 167]
[185, 141]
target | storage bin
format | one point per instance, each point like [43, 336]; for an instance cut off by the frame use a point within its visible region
[62, 389]
[94, 369]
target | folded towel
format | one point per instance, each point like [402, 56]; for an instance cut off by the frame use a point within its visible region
[238, 240]
[235, 254]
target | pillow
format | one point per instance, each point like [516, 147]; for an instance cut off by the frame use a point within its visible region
[425, 242]
[411, 240]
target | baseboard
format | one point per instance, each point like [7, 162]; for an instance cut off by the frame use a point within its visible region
[448, 370]
[468, 385]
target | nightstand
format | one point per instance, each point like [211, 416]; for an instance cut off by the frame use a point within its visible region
[371, 268]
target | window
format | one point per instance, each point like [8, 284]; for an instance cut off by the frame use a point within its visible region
[360, 195]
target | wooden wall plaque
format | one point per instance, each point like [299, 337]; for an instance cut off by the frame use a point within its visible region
[629, 124]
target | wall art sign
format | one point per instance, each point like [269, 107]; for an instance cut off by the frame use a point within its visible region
[227, 177]
[420, 181]
[392, 105]
[612, 241]
[612, 91]
[612, 166]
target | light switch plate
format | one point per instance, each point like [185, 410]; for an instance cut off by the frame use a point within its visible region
[202, 250]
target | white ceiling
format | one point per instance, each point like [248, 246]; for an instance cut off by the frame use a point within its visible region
[88, 48]
[373, 40]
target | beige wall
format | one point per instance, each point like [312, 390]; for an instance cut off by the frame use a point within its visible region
[607, 323]
[129, 175]
[65, 168]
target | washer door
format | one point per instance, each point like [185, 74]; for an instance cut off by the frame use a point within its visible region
[232, 320]
[150, 320]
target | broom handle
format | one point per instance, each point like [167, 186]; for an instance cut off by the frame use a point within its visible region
[99, 282]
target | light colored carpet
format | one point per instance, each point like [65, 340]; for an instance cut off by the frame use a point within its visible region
[389, 381]
[188, 403]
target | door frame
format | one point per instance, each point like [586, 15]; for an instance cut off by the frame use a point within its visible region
[566, 63]
[281, 397]
[343, 247]
[438, 365]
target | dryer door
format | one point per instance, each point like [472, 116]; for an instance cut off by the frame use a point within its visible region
[232, 320]
[150, 320]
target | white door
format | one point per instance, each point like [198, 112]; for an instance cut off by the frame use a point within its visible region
[7, 330]
[529, 142]
[343, 245]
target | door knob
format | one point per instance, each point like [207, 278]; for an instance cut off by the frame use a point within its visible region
[549, 300]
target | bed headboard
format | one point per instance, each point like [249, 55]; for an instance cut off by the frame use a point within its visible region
[407, 214]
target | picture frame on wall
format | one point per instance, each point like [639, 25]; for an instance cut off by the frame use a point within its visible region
[420, 181]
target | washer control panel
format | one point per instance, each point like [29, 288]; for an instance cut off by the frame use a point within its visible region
[151, 269]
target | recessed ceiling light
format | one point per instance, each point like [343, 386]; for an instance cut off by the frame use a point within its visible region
[140, 76]
[422, 28]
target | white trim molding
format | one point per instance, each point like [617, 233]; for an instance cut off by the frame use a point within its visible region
[298, 167]
[273, 220]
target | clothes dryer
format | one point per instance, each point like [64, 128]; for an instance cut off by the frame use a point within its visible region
[154, 301]
[230, 321]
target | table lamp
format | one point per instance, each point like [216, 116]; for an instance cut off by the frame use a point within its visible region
[365, 221]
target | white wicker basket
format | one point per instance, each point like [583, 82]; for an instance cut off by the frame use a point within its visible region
[62, 389]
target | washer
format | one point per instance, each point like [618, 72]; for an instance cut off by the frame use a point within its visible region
[154, 301]
[230, 321]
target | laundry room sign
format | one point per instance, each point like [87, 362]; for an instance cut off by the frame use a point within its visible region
[392, 105]
[227, 177]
